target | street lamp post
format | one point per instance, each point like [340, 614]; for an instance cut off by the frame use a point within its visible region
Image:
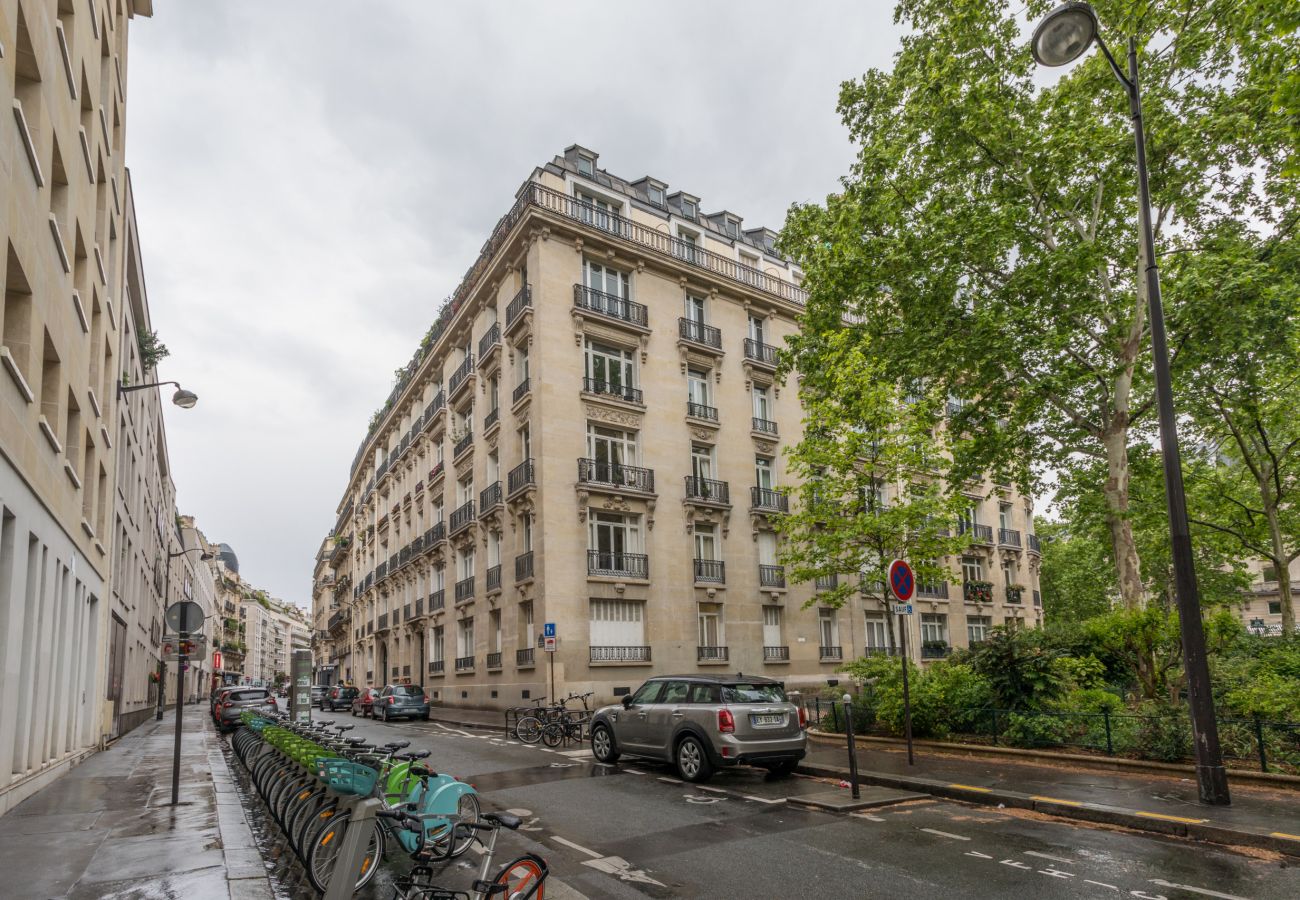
[1062, 36]
[182, 398]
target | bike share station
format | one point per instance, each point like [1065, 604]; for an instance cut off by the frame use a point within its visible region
[902, 585]
[341, 802]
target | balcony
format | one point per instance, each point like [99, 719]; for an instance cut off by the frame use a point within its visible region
[524, 658]
[340, 552]
[522, 301]
[1008, 537]
[610, 307]
[608, 389]
[771, 576]
[700, 334]
[934, 650]
[701, 411]
[494, 660]
[437, 667]
[524, 566]
[1038, 599]
[520, 477]
[758, 352]
[419, 608]
[768, 500]
[620, 655]
[977, 591]
[616, 475]
[465, 589]
[492, 419]
[464, 664]
[827, 582]
[830, 654]
[933, 591]
[618, 565]
[1031, 541]
[460, 376]
[435, 535]
[980, 534]
[521, 391]
[437, 600]
[707, 490]
[776, 654]
[463, 443]
[711, 654]
[494, 578]
[406, 614]
[437, 472]
[710, 571]
[1015, 594]
[763, 426]
[462, 517]
[489, 497]
[490, 341]
[381, 624]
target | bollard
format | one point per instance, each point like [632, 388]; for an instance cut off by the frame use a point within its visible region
[347, 869]
[835, 719]
[853, 755]
[1110, 747]
[1259, 742]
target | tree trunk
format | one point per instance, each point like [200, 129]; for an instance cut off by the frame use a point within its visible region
[1279, 558]
[1128, 568]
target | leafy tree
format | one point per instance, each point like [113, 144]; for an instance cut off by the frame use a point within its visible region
[1022, 672]
[868, 473]
[988, 225]
[1075, 574]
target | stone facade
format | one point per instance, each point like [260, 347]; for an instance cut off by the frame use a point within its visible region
[592, 436]
[63, 328]
[1261, 609]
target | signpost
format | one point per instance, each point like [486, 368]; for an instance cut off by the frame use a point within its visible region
[300, 686]
[182, 617]
[902, 584]
[549, 640]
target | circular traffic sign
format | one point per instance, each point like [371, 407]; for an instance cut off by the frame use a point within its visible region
[901, 580]
[184, 616]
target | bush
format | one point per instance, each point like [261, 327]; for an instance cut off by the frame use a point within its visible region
[1034, 730]
[1164, 732]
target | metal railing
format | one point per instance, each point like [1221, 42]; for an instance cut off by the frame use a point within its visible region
[710, 570]
[437, 667]
[1014, 594]
[768, 499]
[489, 497]
[699, 333]
[382, 623]
[463, 443]
[492, 418]
[712, 654]
[620, 654]
[521, 301]
[933, 591]
[609, 389]
[771, 576]
[437, 600]
[826, 582]
[610, 306]
[494, 660]
[1032, 541]
[491, 338]
[465, 589]
[763, 426]
[436, 535]
[935, 652]
[707, 489]
[701, 411]
[462, 372]
[1008, 537]
[625, 565]
[524, 566]
[462, 516]
[826, 653]
[980, 534]
[464, 663]
[759, 352]
[494, 578]
[520, 477]
[524, 657]
[776, 653]
[521, 390]
[591, 471]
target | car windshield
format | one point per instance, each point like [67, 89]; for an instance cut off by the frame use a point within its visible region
[742, 692]
[413, 689]
[247, 695]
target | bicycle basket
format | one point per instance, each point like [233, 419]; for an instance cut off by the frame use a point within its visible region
[257, 723]
[347, 777]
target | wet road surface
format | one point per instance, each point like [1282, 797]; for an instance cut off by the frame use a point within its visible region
[633, 831]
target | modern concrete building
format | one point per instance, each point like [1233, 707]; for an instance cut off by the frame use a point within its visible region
[63, 262]
[275, 629]
[591, 435]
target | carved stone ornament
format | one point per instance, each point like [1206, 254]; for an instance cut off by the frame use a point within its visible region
[765, 447]
[703, 434]
[612, 416]
[707, 516]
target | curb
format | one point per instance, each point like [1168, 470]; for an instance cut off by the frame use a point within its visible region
[482, 726]
[1102, 763]
[1069, 809]
[246, 874]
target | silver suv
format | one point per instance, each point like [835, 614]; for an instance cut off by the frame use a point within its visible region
[704, 722]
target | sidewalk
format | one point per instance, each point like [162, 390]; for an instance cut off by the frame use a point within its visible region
[1258, 817]
[107, 827]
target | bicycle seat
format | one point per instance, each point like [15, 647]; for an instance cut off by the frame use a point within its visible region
[505, 820]
[342, 728]
[325, 723]
[398, 745]
[354, 741]
[423, 772]
[414, 755]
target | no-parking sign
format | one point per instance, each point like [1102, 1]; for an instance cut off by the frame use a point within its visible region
[902, 583]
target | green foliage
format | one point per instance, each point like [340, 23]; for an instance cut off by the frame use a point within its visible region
[1021, 672]
[1077, 575]
[152, 350]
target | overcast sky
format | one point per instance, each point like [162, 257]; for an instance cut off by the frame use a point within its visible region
[312, 178]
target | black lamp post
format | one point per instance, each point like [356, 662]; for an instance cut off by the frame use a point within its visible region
[1062, 36]
[162, 664]
[182, 398]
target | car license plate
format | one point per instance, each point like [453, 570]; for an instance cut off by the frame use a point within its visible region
[760, 721]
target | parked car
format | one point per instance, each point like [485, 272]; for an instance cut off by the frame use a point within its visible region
[217, 697]
[704, 722]
[318, 692]
[339, 697]
[363, 704]
[402, 701]
[236, 701]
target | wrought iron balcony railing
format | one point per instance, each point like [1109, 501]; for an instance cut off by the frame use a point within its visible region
[707, 489]
[825, 652]
[437, 667]
[462, 516]
[764, 426]
[520, 477]
[776, 654]
[521, 390]
[1008, 537]
[521, 301]
[491, 338]
[465, 589]
[591, 471]
[494, 578]
[489, 497]
[463, 443]
[757, 351]
[771, 576]
[701, 411]
[494, 660]
[710, 570]
[610, 306]
[624, 565]
[524, 566]
[437, 600]
[766, 499]
[711, 654]
[610, 389]
[699, 333]
[620, 654]
[462, 372]
[1032, 541]
[464, 664]
[524, 657]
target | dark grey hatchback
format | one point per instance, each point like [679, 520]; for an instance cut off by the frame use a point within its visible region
[401, 701]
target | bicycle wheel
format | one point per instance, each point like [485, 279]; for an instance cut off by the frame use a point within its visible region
[553, 734]
[467, 810]
[523, 877]
[529, 729]
[323, 854]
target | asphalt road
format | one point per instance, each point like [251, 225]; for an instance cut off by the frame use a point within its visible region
[634, 831]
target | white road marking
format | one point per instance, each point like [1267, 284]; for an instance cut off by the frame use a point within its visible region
[576, 753]
[1055, 873]
[616, 865]
[669, 780]
[1195, 890]
[695, 798]
[634, 771]
[977, 854]
[713, 790]
[573, 846]
[947, 834]
[1100, 884]
[1048, 856]
[1015, 864]
[782, 800]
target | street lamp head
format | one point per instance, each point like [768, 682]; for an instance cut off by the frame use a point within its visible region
[185, 399]
[1065, 34]
[205, 556]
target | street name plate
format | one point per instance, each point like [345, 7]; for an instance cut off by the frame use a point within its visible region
[902, 609]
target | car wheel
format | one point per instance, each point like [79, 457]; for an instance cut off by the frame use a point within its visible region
[782, 769]
[383, 716]
[692, 760]
[602, 745]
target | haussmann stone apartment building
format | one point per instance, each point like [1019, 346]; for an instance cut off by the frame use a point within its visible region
[591, 435]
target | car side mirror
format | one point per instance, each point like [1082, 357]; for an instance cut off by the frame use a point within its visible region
[627, 701]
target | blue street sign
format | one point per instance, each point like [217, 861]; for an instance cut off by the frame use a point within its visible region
[548, 630]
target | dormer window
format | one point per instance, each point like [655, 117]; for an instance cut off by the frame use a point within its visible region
[656, 195]
[688, 209]
[732, 227]
[586, 165]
